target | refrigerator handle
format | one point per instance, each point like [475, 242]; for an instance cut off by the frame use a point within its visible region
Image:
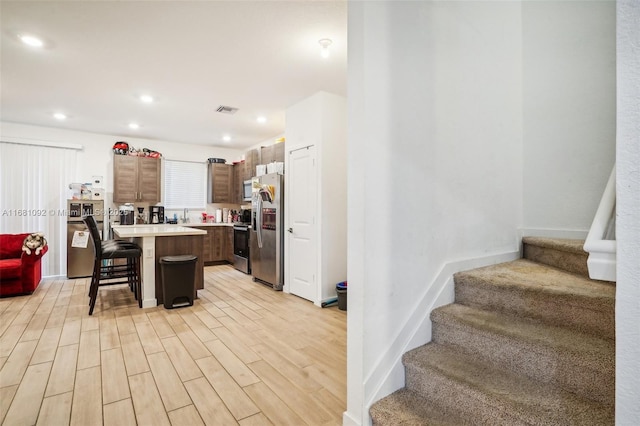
[259, 220]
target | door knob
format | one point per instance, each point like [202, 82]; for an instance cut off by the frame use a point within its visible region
[290, 230]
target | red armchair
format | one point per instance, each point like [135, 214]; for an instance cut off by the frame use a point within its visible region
[20, 273]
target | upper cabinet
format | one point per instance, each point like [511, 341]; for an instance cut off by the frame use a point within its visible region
[251, 160]
[271, 153]
[136, 179]
[238, 181]
[219, 183]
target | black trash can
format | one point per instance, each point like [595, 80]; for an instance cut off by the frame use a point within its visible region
[341, 289]
[178, 275]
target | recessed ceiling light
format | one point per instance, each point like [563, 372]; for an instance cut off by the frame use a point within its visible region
[325, 43]
[226, 138]
[262, 119]
[59, 116]
[147, 99]
[30, 40]
[134, 126]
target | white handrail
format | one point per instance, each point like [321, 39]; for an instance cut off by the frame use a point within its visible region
[600, 242]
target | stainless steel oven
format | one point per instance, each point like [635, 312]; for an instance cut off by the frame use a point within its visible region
[241, 248]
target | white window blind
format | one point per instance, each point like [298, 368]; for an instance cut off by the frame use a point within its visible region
[185, 185]
[34, 179]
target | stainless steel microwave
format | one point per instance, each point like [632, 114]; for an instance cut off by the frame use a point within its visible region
[247, 190]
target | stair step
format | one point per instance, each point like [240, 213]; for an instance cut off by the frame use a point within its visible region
[560, 253]
[407, 408]
[481, 393]
[533, 290]
[577, 362]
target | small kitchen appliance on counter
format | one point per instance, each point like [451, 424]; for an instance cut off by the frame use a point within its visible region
[126, 214]
[245, 216]
[140, 219]
[156, 214]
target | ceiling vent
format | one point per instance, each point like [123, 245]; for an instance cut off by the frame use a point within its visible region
[227, 109]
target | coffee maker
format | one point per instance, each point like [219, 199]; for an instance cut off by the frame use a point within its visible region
[126, 214]
[156, 214]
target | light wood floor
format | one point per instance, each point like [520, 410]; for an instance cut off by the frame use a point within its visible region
[243, 354]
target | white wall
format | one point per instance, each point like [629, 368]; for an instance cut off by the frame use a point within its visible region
[569, 65]
[628, 215]
[96, 157]
[265, 142]
[321, 120]
[435, 164]
[333, 194]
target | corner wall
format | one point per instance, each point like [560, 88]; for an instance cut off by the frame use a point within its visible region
[435, 164]
[569, 109]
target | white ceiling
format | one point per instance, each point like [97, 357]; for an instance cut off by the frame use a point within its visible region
[192, 56]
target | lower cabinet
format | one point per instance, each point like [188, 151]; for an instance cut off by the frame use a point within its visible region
[217, 244]
[229, 245]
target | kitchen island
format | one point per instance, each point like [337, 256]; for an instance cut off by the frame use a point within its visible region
[157, 241]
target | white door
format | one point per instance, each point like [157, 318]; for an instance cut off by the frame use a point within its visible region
[302, 223]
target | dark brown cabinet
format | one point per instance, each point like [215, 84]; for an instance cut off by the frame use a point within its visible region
[229, 244]
[219, 183]
[271, 153]
[238, 180]
[251, 160]
[217, 244]
[136, 179]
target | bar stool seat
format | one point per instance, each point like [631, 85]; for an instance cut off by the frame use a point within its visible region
[109, 273]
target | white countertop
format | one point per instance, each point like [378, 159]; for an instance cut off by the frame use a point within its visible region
[207, 224]
[136, 231]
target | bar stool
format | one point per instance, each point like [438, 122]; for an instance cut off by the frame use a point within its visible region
[111, 274]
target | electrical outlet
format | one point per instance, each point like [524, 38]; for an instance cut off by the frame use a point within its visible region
[149, 254]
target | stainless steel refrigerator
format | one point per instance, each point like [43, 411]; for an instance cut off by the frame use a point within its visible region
[80, 256]
[267, 233]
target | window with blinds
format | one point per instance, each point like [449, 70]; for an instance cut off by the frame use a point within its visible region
[185, 185]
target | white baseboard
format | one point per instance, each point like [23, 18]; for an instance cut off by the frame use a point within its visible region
[388, 374]
[349, 420]
[573, 234]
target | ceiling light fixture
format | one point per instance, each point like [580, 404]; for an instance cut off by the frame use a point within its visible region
[134, 126]
[262, 120]
[147, 99]
[226, 138]
[30, 40]
[325, 43]
[59, 116]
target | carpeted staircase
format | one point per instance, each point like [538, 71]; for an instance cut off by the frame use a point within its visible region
[528, 342]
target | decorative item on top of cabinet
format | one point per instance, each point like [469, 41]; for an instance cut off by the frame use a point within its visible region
[136, 179]
[219, 183]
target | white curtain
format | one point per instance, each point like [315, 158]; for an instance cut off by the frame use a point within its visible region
[33, 190]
